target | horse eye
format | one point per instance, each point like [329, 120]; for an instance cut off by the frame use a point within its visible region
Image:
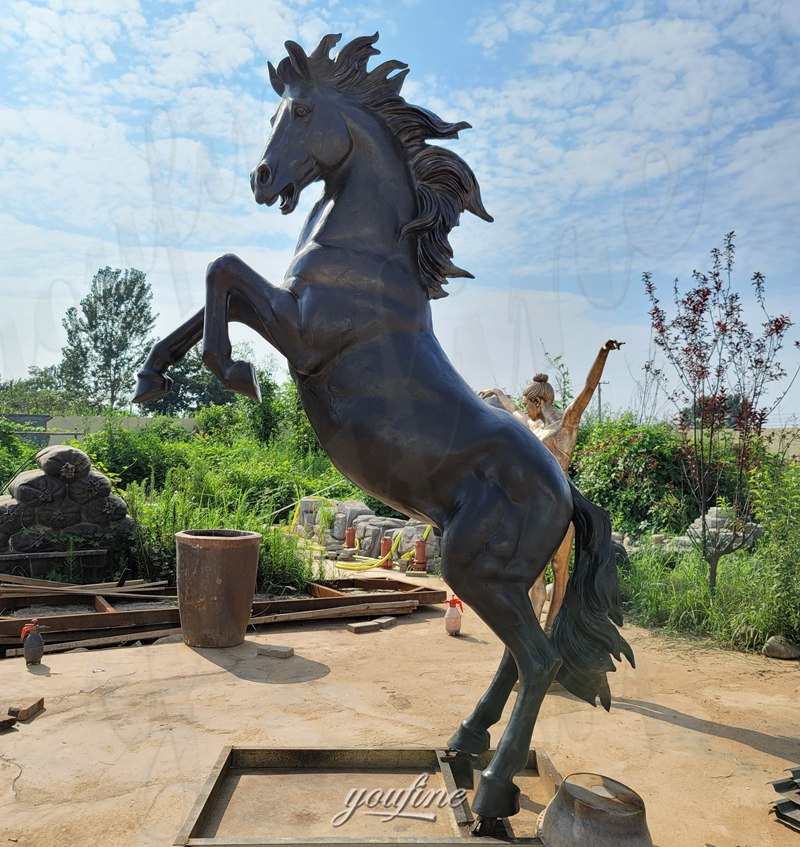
[301, 112]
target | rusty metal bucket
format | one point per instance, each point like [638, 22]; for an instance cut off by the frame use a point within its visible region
[216, 575]
[589, 809]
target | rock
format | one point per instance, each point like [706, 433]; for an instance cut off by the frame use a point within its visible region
[346, 513]
[346, 554]
[135, 644]
[363, 626]
[620, 554]
[370, 530]
[177, 638]
[276, 651]
[413, 531]
[658, 538]
[308, 511]
[778, 647]
[617, 537]
[79, 650]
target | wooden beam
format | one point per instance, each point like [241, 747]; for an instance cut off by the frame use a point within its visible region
[107, 641]
[362, 610]
[102, 605]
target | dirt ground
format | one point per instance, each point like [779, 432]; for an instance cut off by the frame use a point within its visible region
[129, 735]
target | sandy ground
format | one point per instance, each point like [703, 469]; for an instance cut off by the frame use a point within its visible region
[129, 735]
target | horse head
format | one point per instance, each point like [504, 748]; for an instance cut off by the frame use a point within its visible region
[313, 130]
[309, 137]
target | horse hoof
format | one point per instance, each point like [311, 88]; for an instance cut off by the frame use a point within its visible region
[483, 827]
[467, 740]
[241, 378]
[151, 386]
[495, 797]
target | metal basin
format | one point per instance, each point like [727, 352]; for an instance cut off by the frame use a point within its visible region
[589, 809]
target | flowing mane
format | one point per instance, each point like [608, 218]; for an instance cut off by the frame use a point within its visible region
[445, 184]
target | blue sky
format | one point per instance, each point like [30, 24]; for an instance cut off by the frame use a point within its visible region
[608, 140]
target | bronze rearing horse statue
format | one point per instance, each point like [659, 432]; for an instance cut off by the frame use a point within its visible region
[353, 319]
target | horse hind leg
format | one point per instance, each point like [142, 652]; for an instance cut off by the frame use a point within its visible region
[468, 565]
[510, 615]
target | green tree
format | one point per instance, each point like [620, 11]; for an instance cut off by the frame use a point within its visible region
[108, 338]
[718, 363]
[42, 393]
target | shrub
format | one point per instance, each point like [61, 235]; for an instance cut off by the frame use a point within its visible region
[633, 471]
[15, 453]
[776, 494]
[137, 455]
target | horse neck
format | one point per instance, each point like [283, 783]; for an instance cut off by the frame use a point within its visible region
[370, 198]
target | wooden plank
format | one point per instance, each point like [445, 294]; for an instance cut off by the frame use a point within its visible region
[20, 601]
[95, 620]
[155, 617]
[7, 723]
[28, 711]
[89, 592]
[316, 589]
[14, 579]
[108, 641]
[102, 605]
[364, 610]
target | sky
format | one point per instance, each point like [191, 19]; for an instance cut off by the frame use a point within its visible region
[608, 139]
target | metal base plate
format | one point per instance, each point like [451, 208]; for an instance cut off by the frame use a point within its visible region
[264, 797]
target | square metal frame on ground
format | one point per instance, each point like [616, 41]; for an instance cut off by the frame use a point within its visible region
[344, 759]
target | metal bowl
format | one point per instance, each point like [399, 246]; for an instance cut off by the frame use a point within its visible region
[589, 809]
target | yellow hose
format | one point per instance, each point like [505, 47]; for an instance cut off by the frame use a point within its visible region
[366, 564]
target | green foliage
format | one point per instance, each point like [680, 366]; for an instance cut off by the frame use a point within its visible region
[284, 567]
[42, 393]
[776, 494]
[757, 594]
[15, 452]
[132, 455]
[108, 338]
[561, 378]
[633, 471]
[193, 388]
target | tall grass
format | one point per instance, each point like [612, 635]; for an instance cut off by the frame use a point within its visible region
[284, 566]
[663, 590]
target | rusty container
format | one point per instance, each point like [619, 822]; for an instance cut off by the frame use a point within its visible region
[216, 575]
[350, 537]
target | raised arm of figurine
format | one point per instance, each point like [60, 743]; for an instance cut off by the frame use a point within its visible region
[575, 410]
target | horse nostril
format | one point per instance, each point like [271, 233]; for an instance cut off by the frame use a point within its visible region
[263, 174]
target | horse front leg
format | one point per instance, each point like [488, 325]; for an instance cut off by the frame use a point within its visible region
[234, 291]
[152, 382]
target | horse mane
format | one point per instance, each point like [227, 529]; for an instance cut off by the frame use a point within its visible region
[444, 182]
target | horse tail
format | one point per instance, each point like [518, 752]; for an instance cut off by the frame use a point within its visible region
[583, 632]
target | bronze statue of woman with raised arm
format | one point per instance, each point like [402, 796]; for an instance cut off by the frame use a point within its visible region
[558, 431]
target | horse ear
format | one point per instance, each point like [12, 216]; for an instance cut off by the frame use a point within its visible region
[298, 60]
[277, 83]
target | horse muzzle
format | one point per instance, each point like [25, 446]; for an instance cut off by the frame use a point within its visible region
[266, 192]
